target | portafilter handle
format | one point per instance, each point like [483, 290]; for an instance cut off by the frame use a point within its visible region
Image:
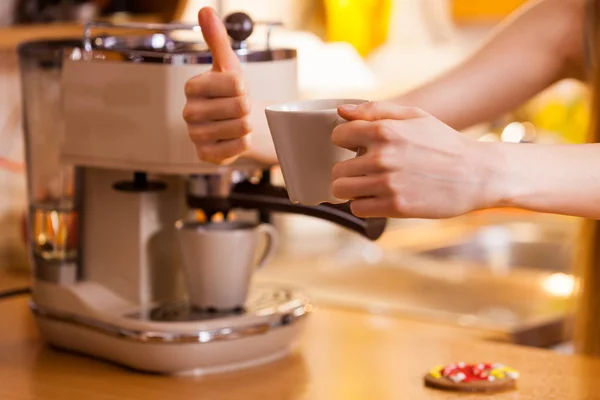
[264, 196]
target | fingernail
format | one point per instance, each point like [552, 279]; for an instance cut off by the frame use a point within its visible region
[348, 107]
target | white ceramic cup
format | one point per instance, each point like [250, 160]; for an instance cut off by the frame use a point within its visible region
[218, 260]
[301, 133]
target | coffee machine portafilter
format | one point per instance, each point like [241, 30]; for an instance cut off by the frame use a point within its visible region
[222, 193]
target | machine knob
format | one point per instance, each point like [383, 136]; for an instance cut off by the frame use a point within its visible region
[239, 26]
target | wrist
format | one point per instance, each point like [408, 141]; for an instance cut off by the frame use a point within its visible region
[502, 185]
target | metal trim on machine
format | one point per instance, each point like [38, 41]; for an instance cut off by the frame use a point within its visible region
[162, 48]
[150, 56]
[207, 336]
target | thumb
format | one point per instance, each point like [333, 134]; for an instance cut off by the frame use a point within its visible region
[376, 110]
[215, 36]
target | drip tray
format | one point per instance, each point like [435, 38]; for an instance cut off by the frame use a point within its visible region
[262, 300]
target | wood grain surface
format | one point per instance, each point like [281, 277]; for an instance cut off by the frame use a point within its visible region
[11, 37]
[343, 355]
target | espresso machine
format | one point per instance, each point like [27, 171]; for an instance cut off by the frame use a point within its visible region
[111, 169]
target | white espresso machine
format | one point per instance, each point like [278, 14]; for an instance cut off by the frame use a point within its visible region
[110, 170]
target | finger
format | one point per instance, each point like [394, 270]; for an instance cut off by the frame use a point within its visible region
[211, 84]
[362, 186]
[219, 130]
[218, 109]
[366, 134]
[374, 162]
[352, 135]
[221, 152]
[215, 36]
[376, 110]
[376, 207]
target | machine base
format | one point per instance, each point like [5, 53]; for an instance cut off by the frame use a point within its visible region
[188, 359]
[177, 347]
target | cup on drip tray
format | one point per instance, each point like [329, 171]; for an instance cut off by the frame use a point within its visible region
[219, 258]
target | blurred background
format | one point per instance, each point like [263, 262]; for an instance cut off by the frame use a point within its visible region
[501, 271]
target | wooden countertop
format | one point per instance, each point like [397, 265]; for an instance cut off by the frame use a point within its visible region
[10, 37]
[343, 355]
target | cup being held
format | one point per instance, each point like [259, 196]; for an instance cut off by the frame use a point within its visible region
[218, 260]
[301, 133]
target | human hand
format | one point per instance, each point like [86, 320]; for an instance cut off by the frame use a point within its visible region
[414, 166]
[217, 107]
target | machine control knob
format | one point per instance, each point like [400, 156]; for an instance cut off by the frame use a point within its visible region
[239, 26]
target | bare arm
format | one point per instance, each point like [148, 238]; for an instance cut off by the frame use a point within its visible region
[539, 45]
[557, 179]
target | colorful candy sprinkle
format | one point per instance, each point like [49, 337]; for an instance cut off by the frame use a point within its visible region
[461, 372]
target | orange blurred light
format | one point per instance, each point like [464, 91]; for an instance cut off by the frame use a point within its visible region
[481, 10]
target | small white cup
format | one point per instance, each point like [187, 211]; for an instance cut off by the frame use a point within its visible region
[218, 260]
[301, 133]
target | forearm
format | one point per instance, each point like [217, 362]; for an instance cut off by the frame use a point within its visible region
[536, 47]
[557, 179]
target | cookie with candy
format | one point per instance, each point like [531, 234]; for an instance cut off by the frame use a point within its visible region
[483, 377]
